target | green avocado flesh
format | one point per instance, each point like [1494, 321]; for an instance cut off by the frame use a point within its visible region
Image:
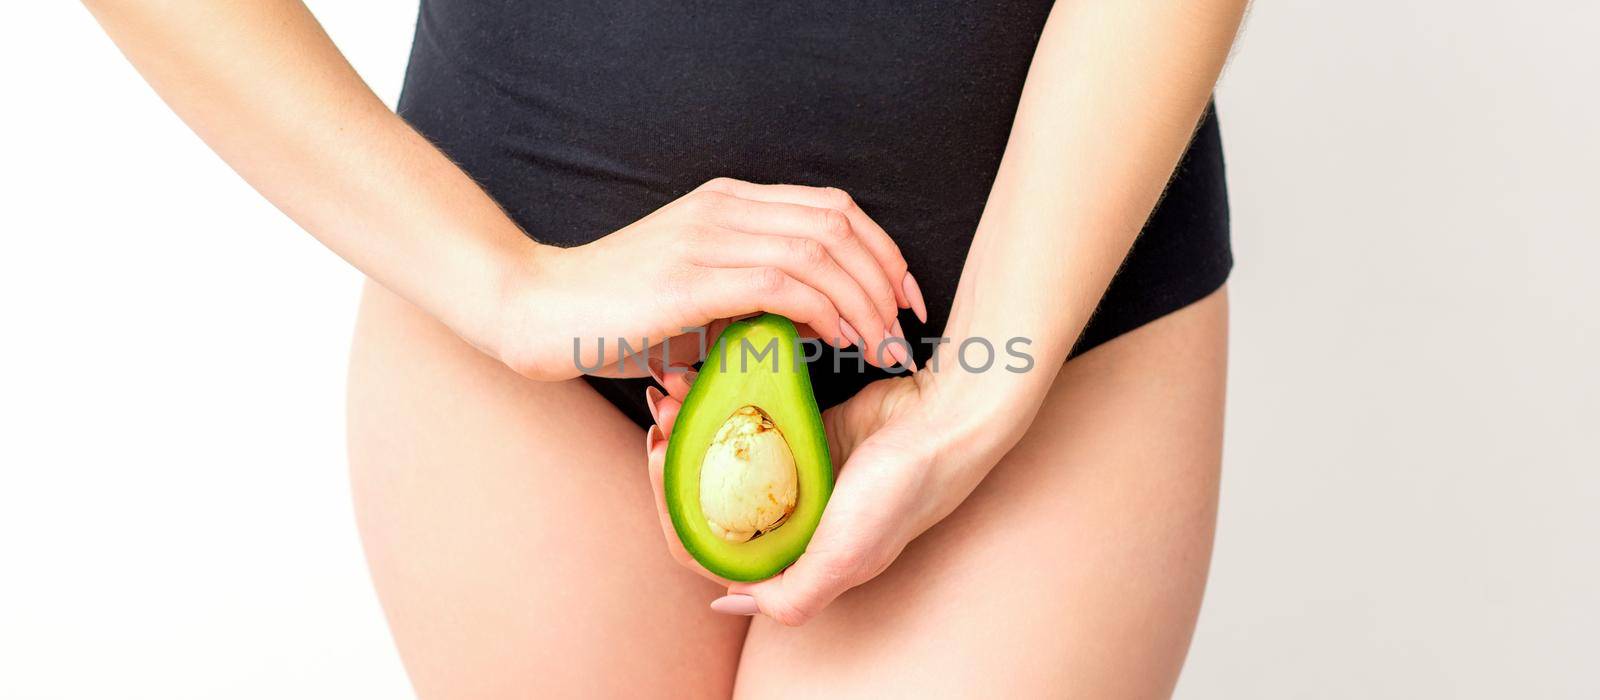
[755, 362]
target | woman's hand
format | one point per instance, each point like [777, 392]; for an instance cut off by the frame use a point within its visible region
[287, 112]
[725, 250]
[909, 457]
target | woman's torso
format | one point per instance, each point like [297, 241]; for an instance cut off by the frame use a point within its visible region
[582, 117]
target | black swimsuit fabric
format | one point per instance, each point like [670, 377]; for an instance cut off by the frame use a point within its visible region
[580, 117]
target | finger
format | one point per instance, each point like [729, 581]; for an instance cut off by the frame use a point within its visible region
[679, 380]
[666, 413]
[730, 291]
[682, 351]
[675, 379]
[656, 458]
[679, 385]
[883, 248]
[809, 262]
[895, 346]
[804, 589]
[834, 427]
[828, 227]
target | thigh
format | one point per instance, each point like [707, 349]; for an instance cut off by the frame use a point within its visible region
[1074, 570]
[511, 530]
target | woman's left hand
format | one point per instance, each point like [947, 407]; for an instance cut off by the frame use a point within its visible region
[906, 464]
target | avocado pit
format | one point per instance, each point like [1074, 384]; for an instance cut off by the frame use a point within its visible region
[748, 481]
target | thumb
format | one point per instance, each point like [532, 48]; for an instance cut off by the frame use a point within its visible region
[804, 589]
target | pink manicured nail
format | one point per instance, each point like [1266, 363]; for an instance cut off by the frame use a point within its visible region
[684, 373]
[651, 437]
[898, 351]
[656, 372]
[901, 356]
[850, 333]
[914, 295]
[651, 396]
[735, 605]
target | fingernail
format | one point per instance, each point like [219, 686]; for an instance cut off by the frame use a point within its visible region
[651, 437]
[735, 605]
[899, 351]
[655, 371]
[687, 371]
[850, 333]
[901, 356]
[914, 295]
[651, 396]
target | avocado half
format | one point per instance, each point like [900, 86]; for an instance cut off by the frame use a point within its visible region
[755, 363]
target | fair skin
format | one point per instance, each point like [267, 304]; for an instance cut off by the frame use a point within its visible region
[515, 550]
[514, 561]
[895, 482]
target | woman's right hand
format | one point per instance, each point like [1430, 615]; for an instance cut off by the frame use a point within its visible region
[727, 249]
[290, 115]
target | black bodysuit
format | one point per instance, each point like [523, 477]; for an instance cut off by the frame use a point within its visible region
[582, 116]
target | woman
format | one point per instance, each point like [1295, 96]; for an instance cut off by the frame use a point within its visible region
[569, 171]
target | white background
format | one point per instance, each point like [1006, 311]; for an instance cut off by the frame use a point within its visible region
[1411, 505]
